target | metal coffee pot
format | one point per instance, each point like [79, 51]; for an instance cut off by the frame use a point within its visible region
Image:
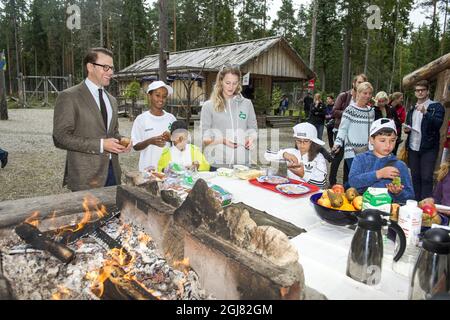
[430, 275]
[366, 250]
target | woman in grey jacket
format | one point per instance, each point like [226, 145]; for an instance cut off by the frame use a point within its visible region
[228, 122]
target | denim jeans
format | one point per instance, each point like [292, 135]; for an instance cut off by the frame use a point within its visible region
[422, 165]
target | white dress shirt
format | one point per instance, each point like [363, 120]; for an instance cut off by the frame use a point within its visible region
[415, 137]
[93, 88]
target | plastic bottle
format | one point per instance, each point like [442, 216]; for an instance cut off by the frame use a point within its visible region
[410, 220]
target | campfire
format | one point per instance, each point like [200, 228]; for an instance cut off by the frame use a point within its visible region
[97, 257]
[147, 243]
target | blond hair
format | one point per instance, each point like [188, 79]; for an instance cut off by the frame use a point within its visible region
[217, 97]
[381, 95]
[364, 86]
[443, 170]
[396, 95]
[318, 97]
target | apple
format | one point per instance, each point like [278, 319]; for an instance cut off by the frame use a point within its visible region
[425, 201]
[430, 209]
[338, 188]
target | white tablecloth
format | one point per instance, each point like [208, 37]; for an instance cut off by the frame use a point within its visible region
[323, 249]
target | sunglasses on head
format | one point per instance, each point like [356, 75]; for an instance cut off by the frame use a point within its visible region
[229, 66]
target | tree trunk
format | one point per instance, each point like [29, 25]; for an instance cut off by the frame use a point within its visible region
[394, 50]
[346, 60]
[163, 39]
[444, 35]
[3, 104]
[174, 25]
[101, 23]
[366, 59]
[312, 53]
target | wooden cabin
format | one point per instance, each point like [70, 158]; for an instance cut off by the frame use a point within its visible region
[438, 72]
[268, 60]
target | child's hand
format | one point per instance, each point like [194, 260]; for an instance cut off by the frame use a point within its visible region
[298, 170]
[394, 189]
[166, 136]
[293, 161]
[249, 143]
[195, 165]
[159, 141]
[388, 173]
[229, 143]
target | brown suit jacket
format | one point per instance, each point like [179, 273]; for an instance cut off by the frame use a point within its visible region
[78, 127]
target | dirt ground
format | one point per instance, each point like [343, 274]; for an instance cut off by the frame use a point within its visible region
[35, 167]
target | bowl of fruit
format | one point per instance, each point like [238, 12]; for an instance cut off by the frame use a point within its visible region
[338, 206]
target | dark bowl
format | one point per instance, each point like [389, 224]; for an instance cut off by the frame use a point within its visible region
[333, 216]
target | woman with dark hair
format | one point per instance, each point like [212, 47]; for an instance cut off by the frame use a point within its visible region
[317, 114]
[228, 121]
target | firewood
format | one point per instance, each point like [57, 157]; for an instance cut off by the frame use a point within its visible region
[117, 287]
[31, 235]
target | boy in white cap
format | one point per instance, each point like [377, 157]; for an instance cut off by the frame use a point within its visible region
[380, 168]
[305, 162]
[151, 129]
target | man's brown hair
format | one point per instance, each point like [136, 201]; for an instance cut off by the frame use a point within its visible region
[92, 55]
[362, 75]
[423, 83]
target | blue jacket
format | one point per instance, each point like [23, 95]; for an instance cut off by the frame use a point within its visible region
[363, 174]
[430, 126]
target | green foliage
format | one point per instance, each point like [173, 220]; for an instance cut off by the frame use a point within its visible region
[285, 23]
[130, 29]
[262, 101]
[277, 94]
[133, 91]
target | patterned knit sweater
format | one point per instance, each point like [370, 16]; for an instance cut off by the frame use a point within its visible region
[354, 128]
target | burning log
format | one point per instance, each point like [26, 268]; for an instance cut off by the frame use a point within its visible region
[31, 235]
[71, 234]
[114, 284]
[6, 292]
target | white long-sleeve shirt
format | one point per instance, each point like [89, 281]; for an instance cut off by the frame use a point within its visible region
[315, 171]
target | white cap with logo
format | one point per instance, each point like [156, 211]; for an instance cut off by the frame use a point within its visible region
[307, 131]
[382, 123]
[159, 84]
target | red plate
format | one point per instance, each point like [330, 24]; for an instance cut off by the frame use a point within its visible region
[273, 187]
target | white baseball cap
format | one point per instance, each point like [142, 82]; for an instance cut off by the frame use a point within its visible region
[158, 84]
[307, 131]
[382, 123]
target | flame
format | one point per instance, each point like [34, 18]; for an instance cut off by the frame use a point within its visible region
[62, 294]
[119, 264]
[144, 239]
[284, 291]
[183, 265]
[98, 212]
[33, 219]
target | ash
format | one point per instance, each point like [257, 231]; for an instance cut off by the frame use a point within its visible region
[36, 275]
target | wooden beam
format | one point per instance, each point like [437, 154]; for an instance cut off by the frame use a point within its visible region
[14, 212]
[428, 71]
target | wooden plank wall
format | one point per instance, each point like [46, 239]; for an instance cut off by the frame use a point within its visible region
[442, 94]
[277, 62]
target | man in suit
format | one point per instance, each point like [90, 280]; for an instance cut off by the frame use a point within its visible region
[85, 123]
